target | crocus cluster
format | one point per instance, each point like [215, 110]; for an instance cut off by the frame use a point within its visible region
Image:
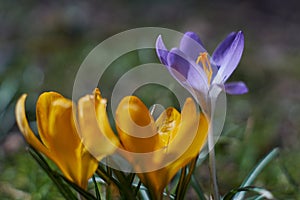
[76, 138]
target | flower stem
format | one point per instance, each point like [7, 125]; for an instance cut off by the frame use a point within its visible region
[188, 177]
[156, 196]
[180, 183]
[212, 167]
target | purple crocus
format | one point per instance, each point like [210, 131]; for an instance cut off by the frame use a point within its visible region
[194, 69]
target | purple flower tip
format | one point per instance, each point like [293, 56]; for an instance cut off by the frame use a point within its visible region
[194, 36]
[236, 88]
[228, 54]
[161, 51]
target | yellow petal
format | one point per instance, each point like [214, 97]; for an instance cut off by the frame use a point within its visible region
[88, 166]
[188, 131]
[62, 133]
[193, 132]
[76, 163]
[135, 126]
[198, 141]
[188, 139]
[155, 181]
[66, 145]
[57, 129]
[62, 138]
[71, 156]
[25, 128]
[96, 133]
[43, 107]
[167, 126]
[102, 119]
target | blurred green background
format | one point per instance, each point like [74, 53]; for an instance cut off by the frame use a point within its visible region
[42, 44]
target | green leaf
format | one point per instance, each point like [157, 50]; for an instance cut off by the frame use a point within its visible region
[263, 193]
[98, 196]
[124, 185]
[58, 179]
[62, 187]
[256, 171]
[81, 191]
[197, 188]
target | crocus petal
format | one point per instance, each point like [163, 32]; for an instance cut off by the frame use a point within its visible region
[43, 108]
[135, 126]
[155, 181]
[25, 128]
[236, 88]
[200, 125]
[88, 166]
[57, 129]
[191, 130]
[66, 146]
[76, 163]
[188, 74]
[161, 50]
[61, 127]
[228, 54]
[167, 126]
[65, 139]
[191, 45]
[94, 126]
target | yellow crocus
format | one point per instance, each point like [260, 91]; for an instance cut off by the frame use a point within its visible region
[174, 140]
[74, 147]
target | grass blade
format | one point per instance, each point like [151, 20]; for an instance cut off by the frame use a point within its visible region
[98, 196]
[197, 188]
[262, 192]
[63, 188]
[78, 189]
[256, 171]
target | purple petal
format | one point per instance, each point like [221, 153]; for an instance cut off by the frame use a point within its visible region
[161, 50]
[188, 74]
[191, 45]
[179, 62]
[228, 54]
[236, 88]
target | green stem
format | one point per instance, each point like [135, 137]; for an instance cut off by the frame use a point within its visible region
[188, 177]
[180, 183]
[131, 178]
[107, 178]
[125, 186]
[212, 167]
[156, 196]
[98, 196]
[138, 188]
[102, 175]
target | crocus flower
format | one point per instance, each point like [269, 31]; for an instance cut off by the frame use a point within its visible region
[194, 69]
[66, 143]
[172, 141]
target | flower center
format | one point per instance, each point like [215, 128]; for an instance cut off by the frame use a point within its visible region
[203, 58]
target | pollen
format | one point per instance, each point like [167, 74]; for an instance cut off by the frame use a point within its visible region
[203, 58]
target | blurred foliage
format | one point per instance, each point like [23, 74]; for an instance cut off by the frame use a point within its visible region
[42, 44]
[22, 172]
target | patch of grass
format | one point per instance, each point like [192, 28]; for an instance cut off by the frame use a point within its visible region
[21, 173]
